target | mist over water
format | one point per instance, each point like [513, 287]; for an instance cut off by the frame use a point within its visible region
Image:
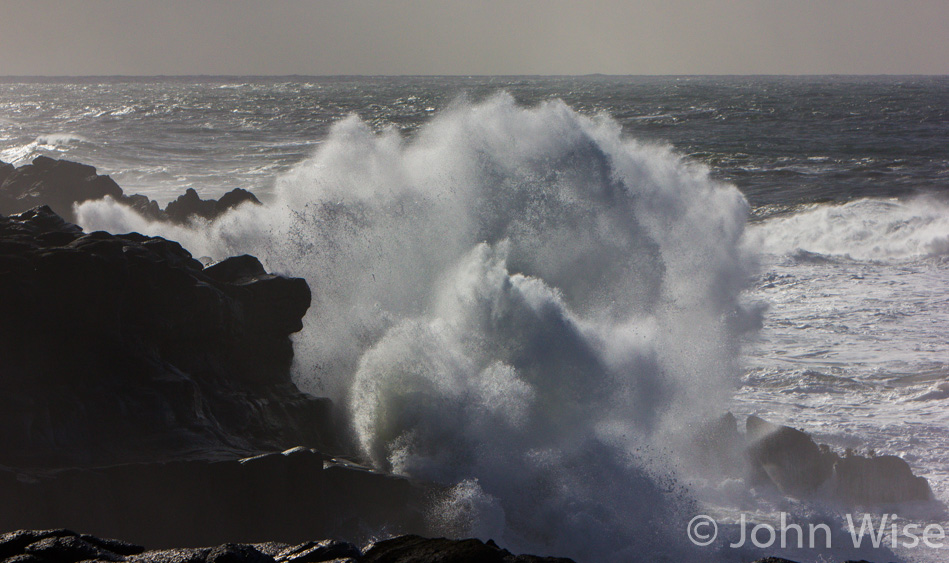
[520, 302]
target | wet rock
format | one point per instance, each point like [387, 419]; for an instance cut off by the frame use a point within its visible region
[413, 549]
[177, 555]
[189, 205]
[236, 268]
[793, 462]
[314, 552]
[25, 558]
[13, 543]
[115, 546]
[786, 457]
[237, 553]
[5, 170]
[61, 184]
[123, 348]
[288, 496]
[56, 183]
[402, 549]
[68, 549]
[877, 481]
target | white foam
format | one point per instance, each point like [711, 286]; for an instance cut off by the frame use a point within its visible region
[864, 229]
[60, 139]
[521, 298]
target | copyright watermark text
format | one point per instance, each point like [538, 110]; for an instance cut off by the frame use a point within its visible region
[864, 532]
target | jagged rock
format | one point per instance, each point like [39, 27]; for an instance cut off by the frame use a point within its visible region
[68, 549]
[122, 348]
[237, 553]
[289, 496]
[793, 462]
[235, 269]
[176, 555]
[403, 549]
[60, 184]
[13, 543]
[786, 457]
[5, 170]
[316, 552]
[877, 480]
[115, 546]
[190, 205]
[144, 207]
[56, 183]
[416, 549]
[25, 558]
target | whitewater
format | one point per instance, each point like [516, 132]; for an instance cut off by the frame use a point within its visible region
[524, 301]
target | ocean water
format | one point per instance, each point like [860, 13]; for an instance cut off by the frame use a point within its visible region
[535, 289]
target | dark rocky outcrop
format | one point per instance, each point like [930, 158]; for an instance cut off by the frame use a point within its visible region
[799, 467]
[5, 170]
[55, 183]
[413, 549]
[790, 460]
[786, 457]
[132, 378]
[27, 545]
[124, 348]
[190, 205]
[60, 184]
[877, 480]
[33, 546]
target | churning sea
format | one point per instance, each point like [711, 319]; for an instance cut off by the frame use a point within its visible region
[531, 287]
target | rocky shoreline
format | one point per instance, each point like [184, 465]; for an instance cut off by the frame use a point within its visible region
[126, 349]
[65, 546]
[147, 396]
[61, 184]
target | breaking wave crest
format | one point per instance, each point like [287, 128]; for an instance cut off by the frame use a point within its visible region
[518, 302]
[863, 229]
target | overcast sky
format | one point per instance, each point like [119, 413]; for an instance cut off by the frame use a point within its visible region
[147, 37]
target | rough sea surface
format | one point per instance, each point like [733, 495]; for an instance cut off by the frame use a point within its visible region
[530, 288]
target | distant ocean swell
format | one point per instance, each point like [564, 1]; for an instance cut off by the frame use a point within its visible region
[522, 303]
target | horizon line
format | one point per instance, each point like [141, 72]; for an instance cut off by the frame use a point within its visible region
[586, 75]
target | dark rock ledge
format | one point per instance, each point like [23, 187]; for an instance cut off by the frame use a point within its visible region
[65, 546]
[60, 184]
[134, 379]
[791, 461]
[125, 348]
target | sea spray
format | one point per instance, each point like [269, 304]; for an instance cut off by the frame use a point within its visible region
[517, 301]
[863, 229]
